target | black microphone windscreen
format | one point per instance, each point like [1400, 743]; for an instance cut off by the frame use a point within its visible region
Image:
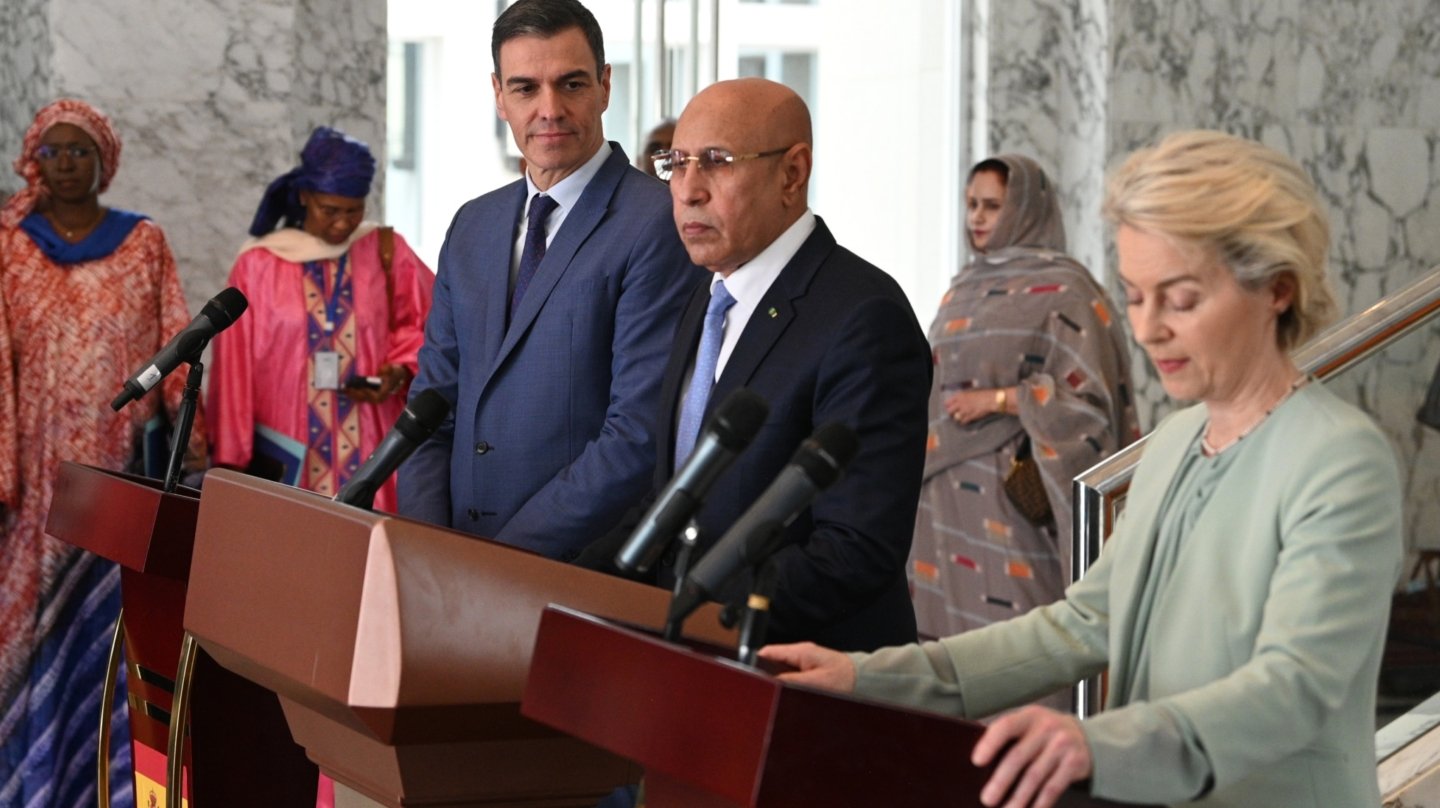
[738, 418]
[826, 452]
[223, 308]
[428, 409]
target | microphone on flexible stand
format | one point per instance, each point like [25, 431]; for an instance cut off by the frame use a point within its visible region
[416, 424]
[186, 346]
[758, 532]
[757, 613]
[727, 433]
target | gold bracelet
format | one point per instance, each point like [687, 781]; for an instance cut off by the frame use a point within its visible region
[999, 399]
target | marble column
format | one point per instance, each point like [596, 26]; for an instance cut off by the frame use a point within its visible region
[213, 99]
[1350, 90]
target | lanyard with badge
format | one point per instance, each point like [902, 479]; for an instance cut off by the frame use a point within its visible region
[327, 362]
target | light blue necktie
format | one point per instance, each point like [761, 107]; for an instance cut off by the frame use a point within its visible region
[692, 412]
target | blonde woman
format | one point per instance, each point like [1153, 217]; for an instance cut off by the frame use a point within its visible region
[1241, 604]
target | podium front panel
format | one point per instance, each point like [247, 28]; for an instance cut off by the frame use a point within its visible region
[384, 636]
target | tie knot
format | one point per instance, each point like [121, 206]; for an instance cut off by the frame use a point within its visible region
[540, 208]
[720, 299]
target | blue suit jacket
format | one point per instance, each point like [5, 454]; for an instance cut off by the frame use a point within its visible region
[552, 435]
[833, 339]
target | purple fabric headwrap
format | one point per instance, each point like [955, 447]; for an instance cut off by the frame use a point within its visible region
[331, 163]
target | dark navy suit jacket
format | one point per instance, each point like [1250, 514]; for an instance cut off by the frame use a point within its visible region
[552, 435]
[833, 339]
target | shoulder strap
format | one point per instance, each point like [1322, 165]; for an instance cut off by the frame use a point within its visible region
[387, 257]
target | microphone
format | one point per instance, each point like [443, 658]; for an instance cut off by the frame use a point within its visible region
[414, 426]
[728, 432]
[757, 615]
[186, 346]
[755, 535]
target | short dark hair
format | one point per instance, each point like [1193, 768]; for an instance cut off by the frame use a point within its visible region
[546, 18]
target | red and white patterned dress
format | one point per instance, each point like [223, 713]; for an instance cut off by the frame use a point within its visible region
[75, 332]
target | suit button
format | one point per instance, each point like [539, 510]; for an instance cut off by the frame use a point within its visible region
[473, 514]
[482, 447]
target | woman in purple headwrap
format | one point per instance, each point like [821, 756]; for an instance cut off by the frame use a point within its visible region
[88, 292]
[308, 382]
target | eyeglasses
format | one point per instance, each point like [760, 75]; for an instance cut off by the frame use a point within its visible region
[668, 163]
[47, 153]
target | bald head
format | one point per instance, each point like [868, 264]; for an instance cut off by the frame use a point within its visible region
[765, 110]
[728, 214]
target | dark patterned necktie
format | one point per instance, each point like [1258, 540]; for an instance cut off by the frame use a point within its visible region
[540, 208]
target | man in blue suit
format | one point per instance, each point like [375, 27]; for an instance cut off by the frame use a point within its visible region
[554, 306]
[819, 333]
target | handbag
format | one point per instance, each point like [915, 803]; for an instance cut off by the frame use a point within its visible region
[1025, 488]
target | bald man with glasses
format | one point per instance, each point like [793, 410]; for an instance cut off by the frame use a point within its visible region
[819, 333]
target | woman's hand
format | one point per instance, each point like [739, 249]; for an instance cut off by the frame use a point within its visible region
[971, 405]
[814, 666]
[1044, 752]
[392, 379]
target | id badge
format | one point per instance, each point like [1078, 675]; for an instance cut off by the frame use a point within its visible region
[327, 370]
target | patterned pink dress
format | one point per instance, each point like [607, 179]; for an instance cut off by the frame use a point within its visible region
[263, 366]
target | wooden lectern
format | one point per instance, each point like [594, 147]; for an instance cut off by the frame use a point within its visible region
[131, 520]
[712, 733]
[399, 649]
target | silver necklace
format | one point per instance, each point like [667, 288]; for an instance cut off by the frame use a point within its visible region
[1210, 450]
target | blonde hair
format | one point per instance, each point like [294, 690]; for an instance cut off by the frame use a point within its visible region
[1253, 206]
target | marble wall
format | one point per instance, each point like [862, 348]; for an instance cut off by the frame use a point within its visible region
[213, 99]
[1350, 90]
[25, 50]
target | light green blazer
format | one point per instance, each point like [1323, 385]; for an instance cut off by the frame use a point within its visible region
[1261, 682]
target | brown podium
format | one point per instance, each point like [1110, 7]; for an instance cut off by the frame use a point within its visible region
[237, 730]
[400, 650]
[712, 733]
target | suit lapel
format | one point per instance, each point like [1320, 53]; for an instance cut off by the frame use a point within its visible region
[579, 224]
[496, 253]
[774, 313]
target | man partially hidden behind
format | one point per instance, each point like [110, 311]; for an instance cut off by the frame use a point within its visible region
[554, 306]
[819, 333]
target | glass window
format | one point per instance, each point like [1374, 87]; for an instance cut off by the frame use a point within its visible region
[883, 89]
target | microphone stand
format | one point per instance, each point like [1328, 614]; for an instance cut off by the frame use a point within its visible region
[757, 613]
[180, 435]
[689, 537]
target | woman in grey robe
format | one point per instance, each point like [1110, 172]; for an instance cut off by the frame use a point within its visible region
[1029, 354]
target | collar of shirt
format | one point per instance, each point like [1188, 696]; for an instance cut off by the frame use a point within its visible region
[566, 192]
[749, 283]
